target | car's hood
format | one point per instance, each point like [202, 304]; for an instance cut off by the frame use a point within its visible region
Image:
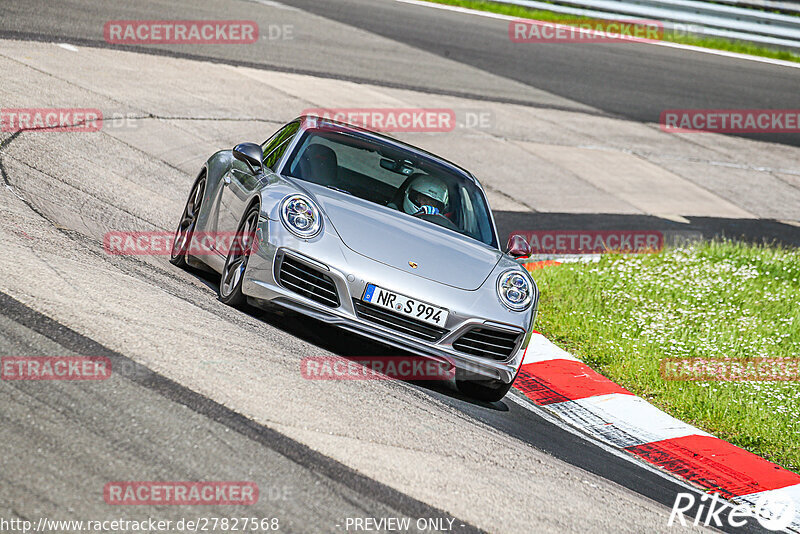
[396, 239]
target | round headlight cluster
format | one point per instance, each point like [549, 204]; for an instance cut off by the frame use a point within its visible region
[301, 216]
[514, 290]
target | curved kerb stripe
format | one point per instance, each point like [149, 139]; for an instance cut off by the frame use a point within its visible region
[563, 385]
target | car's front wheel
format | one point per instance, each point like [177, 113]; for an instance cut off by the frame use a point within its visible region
[230, 284]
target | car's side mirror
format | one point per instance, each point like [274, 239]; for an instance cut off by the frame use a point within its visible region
[251, 154]
[518, 247]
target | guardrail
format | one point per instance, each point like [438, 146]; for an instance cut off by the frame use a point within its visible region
[783, 6]
[689, 16]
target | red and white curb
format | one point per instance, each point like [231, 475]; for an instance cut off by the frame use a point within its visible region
[566, 387]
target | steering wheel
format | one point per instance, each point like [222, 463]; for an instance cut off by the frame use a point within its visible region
[439, 219]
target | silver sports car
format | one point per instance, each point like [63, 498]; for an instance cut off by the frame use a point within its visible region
[372, 235]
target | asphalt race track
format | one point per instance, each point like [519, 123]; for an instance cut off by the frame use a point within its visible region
[630, 80]
[202, 391]
[633, 81]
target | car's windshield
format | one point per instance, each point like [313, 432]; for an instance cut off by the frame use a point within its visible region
[390, 176]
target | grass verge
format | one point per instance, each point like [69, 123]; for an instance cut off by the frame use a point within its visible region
[625, 314]
[716, 43]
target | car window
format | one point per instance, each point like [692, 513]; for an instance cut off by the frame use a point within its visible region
[275, 146]
[271, 159]
[357, 160]
[393, 177]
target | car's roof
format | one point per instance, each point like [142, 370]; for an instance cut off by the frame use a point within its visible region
[314, 121]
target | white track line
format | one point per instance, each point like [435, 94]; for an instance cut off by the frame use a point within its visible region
[623, 420]
[679, 46]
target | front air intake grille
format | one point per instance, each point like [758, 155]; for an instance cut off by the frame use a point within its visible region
[397, 322]
[307, 281]
[488, 343]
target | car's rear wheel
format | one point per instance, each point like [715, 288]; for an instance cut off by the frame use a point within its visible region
[183, 235]
[230, 284]
[486, 390]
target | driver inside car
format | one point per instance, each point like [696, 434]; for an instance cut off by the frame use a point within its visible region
[426, 194]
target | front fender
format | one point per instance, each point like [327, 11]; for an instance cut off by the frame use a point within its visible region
[215, 167]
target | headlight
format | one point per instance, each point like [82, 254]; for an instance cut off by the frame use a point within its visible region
[514, 290]
[301, 216]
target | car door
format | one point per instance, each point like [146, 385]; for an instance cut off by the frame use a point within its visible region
[239, 183]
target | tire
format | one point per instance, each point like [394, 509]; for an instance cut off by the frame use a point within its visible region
[486, 391]
[230, 282]
[188, 223]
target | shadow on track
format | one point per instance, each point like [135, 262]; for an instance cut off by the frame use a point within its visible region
[341, 342]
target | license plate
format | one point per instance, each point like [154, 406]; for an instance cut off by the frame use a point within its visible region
[416, 309]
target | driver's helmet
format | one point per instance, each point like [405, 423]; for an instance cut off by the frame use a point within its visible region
[425, 191]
